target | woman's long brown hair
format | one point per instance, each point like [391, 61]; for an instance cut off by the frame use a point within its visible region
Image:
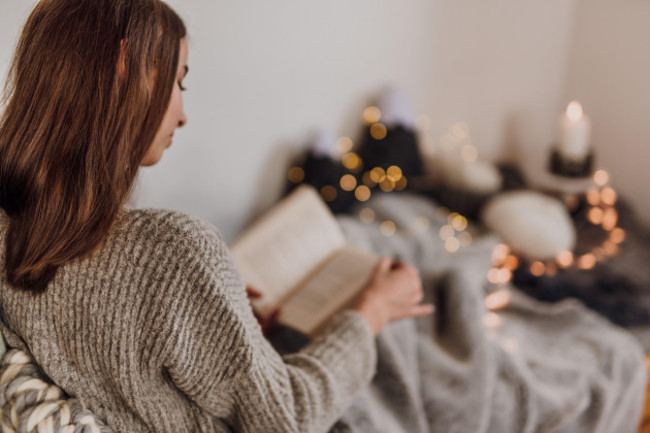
[87, 91]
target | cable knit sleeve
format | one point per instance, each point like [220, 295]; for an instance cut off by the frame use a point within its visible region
[219, 358]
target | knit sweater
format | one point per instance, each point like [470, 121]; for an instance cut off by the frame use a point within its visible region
[153, 332]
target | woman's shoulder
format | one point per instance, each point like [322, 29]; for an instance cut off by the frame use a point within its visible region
[164, 233]
[164, 224]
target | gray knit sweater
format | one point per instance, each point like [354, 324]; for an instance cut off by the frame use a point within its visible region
[153, 332]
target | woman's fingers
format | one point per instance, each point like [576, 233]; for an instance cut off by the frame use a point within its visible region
[253, 293]
[422, 310]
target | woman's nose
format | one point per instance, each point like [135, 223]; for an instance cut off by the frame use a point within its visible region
[183, 120]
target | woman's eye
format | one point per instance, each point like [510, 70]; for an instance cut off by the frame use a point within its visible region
[180, 85]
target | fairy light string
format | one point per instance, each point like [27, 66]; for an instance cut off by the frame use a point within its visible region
[601, 212]
[451, 226]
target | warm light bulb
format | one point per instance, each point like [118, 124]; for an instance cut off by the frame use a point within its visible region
[537, 269]
[587, 261]
[344, 144]
[459, 223]
[564, 259]
[601, 177]
[351, 161]
[296, 174]
[387, 228]
[498, 299]
[452, 245]
[378, 131]
[367, 215]
[348, 182]
[574, 111]
[328, 192]
[371, 115]
[362, 193]
[446, 232]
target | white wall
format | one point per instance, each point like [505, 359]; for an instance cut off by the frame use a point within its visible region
[266, 74]
[609, 71]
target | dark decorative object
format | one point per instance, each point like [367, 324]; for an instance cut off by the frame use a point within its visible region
[324, 174]
[562, 166]
[398, 147]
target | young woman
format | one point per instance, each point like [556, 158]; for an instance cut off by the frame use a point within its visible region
[140, 314]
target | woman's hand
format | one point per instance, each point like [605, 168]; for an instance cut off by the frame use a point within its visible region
[266, 323]
[393, 292]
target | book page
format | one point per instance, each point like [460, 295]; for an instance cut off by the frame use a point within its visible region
[285, 245]
[330, 289]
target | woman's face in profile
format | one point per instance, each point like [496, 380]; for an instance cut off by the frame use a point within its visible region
[174, 116]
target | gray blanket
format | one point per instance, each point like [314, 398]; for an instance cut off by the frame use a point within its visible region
[523, 367]
[533, 368]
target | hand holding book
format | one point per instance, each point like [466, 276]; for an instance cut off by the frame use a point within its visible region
[393, 292]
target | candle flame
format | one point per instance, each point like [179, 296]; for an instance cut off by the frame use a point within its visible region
[574, 111]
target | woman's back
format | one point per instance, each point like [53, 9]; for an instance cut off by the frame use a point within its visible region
[103, 329]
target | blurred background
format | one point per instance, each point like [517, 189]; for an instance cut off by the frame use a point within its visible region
[265, 75]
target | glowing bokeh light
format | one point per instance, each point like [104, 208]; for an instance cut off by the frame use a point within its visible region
[610, 219]
[593, 197]
[328, 192]
[367, 180]
[500, 253]
[469, 153]
[511, 262]
[394, 173]
[587, 261]
[459, 223]
[491, 320]
[348, 182]
[617, 235]
[608, 196]
[362, 193]
[387, 185]
[351, 161]
[296, 174]
[387, 228]
[465, 239]
[371, 115]
[367, 215]
[459, 132]
[601, 177]
[344, 144]
[377, 174]
[452, 245]
[378, 131]
[595, 215]
[498, 299]
[564, 259]
[446, 232]
[537, 269]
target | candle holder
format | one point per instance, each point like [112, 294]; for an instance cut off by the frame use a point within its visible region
[567, 167]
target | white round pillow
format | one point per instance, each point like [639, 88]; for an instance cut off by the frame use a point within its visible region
[534, 225]
[478, 177]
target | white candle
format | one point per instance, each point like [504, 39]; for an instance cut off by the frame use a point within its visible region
[574, 129]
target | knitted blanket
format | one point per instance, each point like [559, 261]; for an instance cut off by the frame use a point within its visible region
[518, 366]
[30, 403]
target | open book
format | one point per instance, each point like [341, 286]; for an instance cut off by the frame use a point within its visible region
[297, 257]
